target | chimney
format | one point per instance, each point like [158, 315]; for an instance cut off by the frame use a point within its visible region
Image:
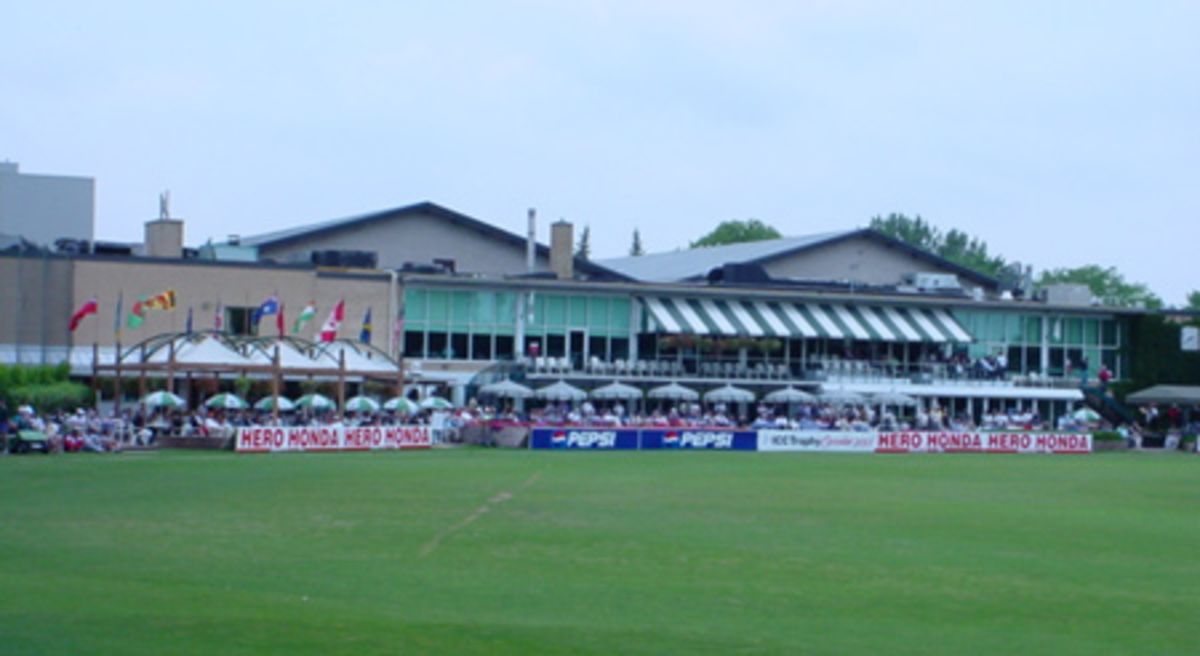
[531, 242]
[562, 250]
[164, 238]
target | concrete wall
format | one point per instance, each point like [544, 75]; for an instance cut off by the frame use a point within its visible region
[35, 305]
[414, 238]
[860, 260]
[202, 287]
[43, 208]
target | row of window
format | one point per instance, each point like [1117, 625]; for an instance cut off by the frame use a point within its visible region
[495, 312]
[1008, 328]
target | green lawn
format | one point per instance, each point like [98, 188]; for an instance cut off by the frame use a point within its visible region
[473, 551]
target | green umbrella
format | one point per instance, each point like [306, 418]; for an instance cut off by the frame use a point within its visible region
[315, 402]
[436, 403]
[402, 405]
[269, 402]
[163, 400]
[361, 404]
[226, 401]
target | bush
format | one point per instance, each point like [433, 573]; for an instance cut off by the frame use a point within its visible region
[52, 397]
[1107, 436]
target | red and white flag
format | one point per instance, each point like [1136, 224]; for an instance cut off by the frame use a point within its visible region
[90, 307]
[329, 331]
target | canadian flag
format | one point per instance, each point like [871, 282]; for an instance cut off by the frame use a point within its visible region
[329, 331]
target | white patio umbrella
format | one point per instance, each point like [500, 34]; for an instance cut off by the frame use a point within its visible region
[842, 397]
[729, 394]
[789, 394]
[674, 392]
[315, 402]
[616, 391]
[893, 398]
[270, 402]
[506, 389]
[436, 403]
[361, 404]
[163, 399]
[560, 391]
[226, 401]
[1086, 415]
[401, 404]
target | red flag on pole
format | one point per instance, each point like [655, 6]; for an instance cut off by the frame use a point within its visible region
[90, 307]
[279, 320]
[329, 331]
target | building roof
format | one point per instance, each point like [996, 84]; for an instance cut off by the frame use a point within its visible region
[426, 208]
[694, 264]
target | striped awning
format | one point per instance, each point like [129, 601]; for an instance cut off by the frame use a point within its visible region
[703, 316]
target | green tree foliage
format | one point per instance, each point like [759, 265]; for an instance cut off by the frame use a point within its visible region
[1193, 300]
[954, 245]
[736, 232]
[1107, 284]
[636, 249]
[583, 251]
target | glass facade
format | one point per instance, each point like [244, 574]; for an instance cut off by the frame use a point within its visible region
[1052, 344]
[481, 325]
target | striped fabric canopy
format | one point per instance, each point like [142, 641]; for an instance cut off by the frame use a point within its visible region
[702, 316]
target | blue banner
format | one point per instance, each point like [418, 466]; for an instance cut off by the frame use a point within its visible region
[584, 438]
[699, 438]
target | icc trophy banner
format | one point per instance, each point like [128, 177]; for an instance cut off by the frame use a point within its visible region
[683, 438]
[816, 441]
[263, 439]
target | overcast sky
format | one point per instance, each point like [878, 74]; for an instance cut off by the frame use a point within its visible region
[1061, 133]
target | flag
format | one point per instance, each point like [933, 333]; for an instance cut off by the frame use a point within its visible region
[365, 335]
[306, 315]
[329, 331]
[279, 323]
[163, 301]
[117, 315]
[89, 307]
[219, 318]
[188, 328]
[137, 314]
[269, 306]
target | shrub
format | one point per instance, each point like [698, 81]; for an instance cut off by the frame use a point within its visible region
[52, 397]
[1107, 436]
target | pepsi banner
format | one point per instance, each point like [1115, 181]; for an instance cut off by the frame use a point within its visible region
[684, 438]
[584, 438]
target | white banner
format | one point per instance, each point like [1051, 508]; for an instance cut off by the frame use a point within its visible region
[263, 439]
[825, 441]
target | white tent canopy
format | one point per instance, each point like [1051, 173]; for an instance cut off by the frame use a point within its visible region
[561, 391]
[506, 389]
[789, 394]
[729, 394]
[674, 392]
[616, 391]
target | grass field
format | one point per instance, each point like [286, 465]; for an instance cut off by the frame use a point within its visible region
[473, 551]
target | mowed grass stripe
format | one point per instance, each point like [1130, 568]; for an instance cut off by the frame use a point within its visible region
[601, 553]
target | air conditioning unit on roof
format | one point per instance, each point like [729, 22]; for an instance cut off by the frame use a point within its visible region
[932, 281]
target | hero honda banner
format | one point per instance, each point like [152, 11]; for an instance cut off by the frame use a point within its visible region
[682, 438]
[264, 439]
[972, 442]
[584, 438]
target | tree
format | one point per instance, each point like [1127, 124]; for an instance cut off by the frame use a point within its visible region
[1107, 284]
[1193, 300]
[955, 245]
[736, 232]
[636, 249]
[584, 250]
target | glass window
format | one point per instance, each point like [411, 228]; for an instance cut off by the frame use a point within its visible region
[504, 347]
[483, 308]
[579, 310]
[414, 344]
[1074, 331]
[1057, 330]
[598, 315]
[1091, 332]
[598, 347]
[481, 347]
[415, 305]
[460, 312]
[556, 346]
[437, 343]
[506, 309]
[619, 348]
[1108, 333]
[439, 308]
[618, 316]
[237, 321]
[556, 311]
[1033, 330]
[1016, 329]
[458, 346]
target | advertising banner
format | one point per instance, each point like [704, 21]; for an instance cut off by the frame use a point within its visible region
[973, 442]
[264, 439]
[686, 438]
[816, 441]
[584, 438]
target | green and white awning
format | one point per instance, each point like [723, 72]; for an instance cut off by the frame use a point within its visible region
[703, 316]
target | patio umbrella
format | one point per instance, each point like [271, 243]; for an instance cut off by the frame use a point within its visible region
[729, 394]
[1086, 415]
[163, 400]
[841, 397]
[506, 389]
[436, 403]
[561, 391]
[893, 398]
[789, 394]
[270, 402]
[402, 405]
[226, 401]
[616, 391]
[315, 402]
[361, 404]
[674, 392]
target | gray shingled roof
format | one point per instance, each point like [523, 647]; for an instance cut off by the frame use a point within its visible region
[686, 264]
